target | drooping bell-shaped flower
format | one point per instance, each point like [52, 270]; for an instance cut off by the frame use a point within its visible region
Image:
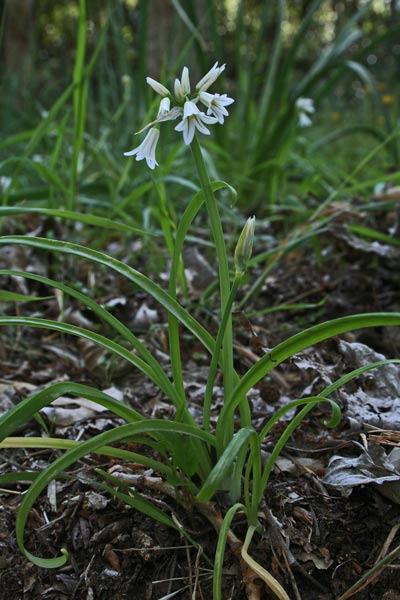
[305, 107]
[147, 149]
[166, 113]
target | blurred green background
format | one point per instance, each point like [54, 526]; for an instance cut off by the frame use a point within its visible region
[74, 93]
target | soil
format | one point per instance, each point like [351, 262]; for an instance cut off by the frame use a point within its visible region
[316, 539]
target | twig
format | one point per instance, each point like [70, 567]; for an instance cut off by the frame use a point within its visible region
[371, 575]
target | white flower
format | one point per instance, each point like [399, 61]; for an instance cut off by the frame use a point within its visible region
[157, 87]
[193, 119]
[165, 106]
[166, 113]
[171, 115]
[305, 104]
[147, 149]
[305, 107]
[209, 78]
[216, 104]
[304, 120]
[182, 87]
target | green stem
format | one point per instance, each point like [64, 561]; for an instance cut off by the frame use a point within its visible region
[215, 357]
[223, 267]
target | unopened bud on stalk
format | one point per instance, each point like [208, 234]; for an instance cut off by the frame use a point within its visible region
[244, 246]
[126, 81]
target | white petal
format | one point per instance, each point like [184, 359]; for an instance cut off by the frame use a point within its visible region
[171, 115]
[224, 100]
[131, 152]
[157, 87]
[164, 107]
[207, 119]
[178, 90]
[190, 109]
[185, 81]
[206, 98]
[202, 128]
[304, 120]
[180, 126]
[189, 131]
[305, 105]
[209, 77]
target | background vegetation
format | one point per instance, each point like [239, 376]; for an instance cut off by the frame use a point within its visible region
[63, 145]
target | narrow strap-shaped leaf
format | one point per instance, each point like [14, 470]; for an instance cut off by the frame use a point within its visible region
[87, 218]
[27, 407]
[111, 320]
[124, 432]
[137, 502]
[131, 274]
[220, 551]
[6, 296]
[296, 343]
[101, 340]
[225, 463]
[61, 444]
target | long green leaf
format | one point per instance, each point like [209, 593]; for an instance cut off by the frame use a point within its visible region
[87, 218]
[119, 434]
[18, 476]
[101, 340]
[6, 296]
[61, 444]
[111, 320]
[131, 274]
[224, 467]
[220, 551]
[27, 407]
[279, 445]
[136, 501]
[296, 343]
[309, 337]
[375, 235]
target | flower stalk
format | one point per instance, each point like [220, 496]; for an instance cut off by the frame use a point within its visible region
[223, 267]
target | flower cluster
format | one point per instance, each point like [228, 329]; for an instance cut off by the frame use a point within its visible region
[183, 103]
[305, 106]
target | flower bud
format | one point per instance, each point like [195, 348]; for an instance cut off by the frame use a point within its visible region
[244, 246]
[157, 87]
